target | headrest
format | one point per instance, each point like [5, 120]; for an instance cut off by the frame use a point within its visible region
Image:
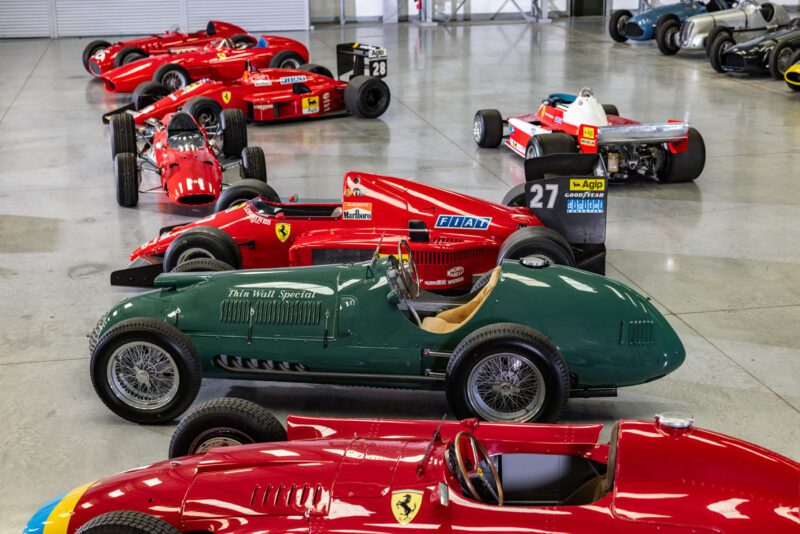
[262, 42]
[210, 29]
[560, 165]
[182, 122]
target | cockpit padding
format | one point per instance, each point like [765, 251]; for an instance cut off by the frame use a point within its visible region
[454, 318]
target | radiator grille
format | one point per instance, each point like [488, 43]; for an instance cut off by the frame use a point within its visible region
[637, 333]
[234, 311]
[633, 30]
[271, 312]
[425, 257]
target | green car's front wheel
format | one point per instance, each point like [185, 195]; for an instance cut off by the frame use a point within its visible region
[145, 370]
[508, 373]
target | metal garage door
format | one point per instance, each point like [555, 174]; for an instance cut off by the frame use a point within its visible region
[101, 17]
[25, 18]
[253, 15]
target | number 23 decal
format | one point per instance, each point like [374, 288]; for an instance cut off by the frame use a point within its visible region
[538, 192]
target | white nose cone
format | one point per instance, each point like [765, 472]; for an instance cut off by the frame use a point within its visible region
[586, 110]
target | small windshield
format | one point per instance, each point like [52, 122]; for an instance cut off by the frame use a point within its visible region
[186, 140]
[221, 43]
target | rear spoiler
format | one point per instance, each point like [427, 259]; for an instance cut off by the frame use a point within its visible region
[665, 132]
[357, 59]
[123, 109]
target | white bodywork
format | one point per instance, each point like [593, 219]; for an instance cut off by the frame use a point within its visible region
[747, 15]
[585, 110]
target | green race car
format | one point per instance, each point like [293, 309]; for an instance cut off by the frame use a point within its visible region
[528, 336]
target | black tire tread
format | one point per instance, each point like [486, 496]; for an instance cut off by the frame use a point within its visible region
[234, 255]
[126, 522]
[254, 163]
[666, 48]
[316, 69]
[715, 52]
[492, 128]
[612, 25]
[353, 96]
[123, 134]
[124, 52]
[245, 190]
[89, 51]
[520, 237]
[202, 265]
[193, 105]
[234, 132]
[127, 175]
[686, 166]
[284, 55]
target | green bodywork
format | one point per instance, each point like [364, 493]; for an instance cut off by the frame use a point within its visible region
[609, 335]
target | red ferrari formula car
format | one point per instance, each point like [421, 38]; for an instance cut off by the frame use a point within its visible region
[386, 476]
[276, 94]
[453, 237]
[221, 59]
[101, 56]
[669, 152]
[180, 151]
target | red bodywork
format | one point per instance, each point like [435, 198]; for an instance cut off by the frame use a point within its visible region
[339, 475]
[217, 61]
[157, 45]
[373, 207]
[264, 95]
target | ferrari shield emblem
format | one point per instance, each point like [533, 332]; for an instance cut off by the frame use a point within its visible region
[406, 505]
[226, 96]
[282, 230]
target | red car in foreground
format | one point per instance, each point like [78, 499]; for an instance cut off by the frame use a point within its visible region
[221, 59]
[101, 56]
[453, 237]
[385, 476]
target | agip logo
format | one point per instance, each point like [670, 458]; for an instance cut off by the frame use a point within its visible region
[587, 184]
[464, 222]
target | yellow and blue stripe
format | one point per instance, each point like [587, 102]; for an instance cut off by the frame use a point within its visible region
[53, 517]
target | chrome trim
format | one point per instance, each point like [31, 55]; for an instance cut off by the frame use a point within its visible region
[642, 133]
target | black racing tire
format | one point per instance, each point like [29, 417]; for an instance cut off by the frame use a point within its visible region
[515, 197]
[667, 28]
[537, 240]
[487, 128]
[206, 111]
[610, 109]
[126, 172]
[172, 76]
[91, 49]
[126, 522]
[123, 134]
[202, 265]
[780, 59]
[234, 132]
[242, 192]
[147, 93]
[712, 34]
[129, 54]
[286, 60]
[721, 43]
[529, 347]
[550, 143]
[254, 163]
[685, 166]
[367, 97]
[242, 40]
[616, 25]
[175, 349]
[316, 69]
[203, 242]
[225, 422]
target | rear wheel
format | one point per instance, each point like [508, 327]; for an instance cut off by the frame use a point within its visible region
[91, 49]
[366, 97]
[202, 242]
[286, 60]
[685, 166]
[234, 132]
[224, 422]
[667, 30]
[242, 192]
[147, 93]
[129, 54]
[206, 111]
[316, 69]
[254, 163]
[202, 265]
[610, 109]
[487, 128]
[126, 522]
[127, 173]
[539, 241]
[552, 143]
[172, 76]
[616, 26]
[780, 60]
[722, 42]
[123, 134]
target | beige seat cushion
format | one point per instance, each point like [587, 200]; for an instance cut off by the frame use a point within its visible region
[454, 318]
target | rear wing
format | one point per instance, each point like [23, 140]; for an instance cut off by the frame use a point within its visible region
[357, 59]
[590, 137]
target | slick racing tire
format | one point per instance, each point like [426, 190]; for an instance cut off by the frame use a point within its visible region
[206, 111]
[172, 76]
[202, 265]
[515, 197]
[242, 40]
[147, 93]
[123, 134]
[685, 166]
[533, 373]
[539, 241]
[316, 69]
[366, 97]
[127, 174]
[243, 191]
[722, 42]
[794, 61]
[616, 26]
[224, 422]
[286, 60]
[780, 60]
[254, 163]
[203, 242]
[667, 28]
[126, 522]
[712, 34]
[487, 128]
[610, 109]
[550, 143]
[145, 370]
[234, 132]
[129, 54]
[91, 49]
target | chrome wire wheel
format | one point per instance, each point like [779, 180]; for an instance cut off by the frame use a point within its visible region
[216, 437]
[477, 129]
[506, 387]
[621, 24]
[143, 375]
[173, 81]
[784, 60]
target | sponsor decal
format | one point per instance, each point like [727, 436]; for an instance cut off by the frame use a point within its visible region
[326, 101]
[292, 79]
[226, 96]
[588, 132]
[587, 184]
[455, 272]
[588, 142]
[280, 294]
[253, 216]
[222, 55]
[466, 222]
[357, 211]
[586, 205]
[262, 83]
[559, 120]
[282, 230]
[406, 505]
[348, 192]
[310, 105]
[194, 85]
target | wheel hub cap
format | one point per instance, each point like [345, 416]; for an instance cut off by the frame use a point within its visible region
[143, 375]
[506, 387]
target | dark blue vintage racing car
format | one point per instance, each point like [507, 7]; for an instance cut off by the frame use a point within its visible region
[642, 27]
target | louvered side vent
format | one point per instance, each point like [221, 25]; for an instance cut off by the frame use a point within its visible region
[425, 257]
[288, 499]
[234, 311]
[277, 312]
[637, 333]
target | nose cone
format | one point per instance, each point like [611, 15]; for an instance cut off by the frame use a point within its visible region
[39, 520]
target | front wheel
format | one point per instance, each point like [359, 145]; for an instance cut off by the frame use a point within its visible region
[286, 60]
[206, 111]
[147, 93]
[202, 242]
[316, 69]
[254, 163]
[666, 32]
[234, 132]
[722, 42]
[780, 60]
[127, 175]
[487, 128]
[91, 49]
[537, 241]
[366, 97]
[616, 26]
[145, 370]
[172, 76]
[507, 372]
[126, 522]
[123, 134]
[243, 191]
[224, 422]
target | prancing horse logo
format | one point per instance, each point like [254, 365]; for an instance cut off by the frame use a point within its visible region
[282, 230]
[406, 505]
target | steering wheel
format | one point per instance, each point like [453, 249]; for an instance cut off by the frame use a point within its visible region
[478, 454]
[410, 275]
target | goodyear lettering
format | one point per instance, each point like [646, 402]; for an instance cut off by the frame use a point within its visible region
[467, 222]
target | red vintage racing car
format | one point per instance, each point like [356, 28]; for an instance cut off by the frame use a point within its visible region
[182, 153]
[386, 476]
[101, 56]
[221, 59]
[266, 95]
[453, 237]
[669, 152]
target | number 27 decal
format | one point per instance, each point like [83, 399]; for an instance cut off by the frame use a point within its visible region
[538, 192]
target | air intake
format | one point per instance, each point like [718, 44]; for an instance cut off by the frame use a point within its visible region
[637, 333]
[237, 311]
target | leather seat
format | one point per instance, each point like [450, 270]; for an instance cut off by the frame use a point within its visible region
[454, 318]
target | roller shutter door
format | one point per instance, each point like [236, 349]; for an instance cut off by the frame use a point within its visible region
[25, 18]
[253, 15]
[116, 17]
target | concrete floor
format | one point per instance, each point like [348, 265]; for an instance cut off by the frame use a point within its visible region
[720, 256]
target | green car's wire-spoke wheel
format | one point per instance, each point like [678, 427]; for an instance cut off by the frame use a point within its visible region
[616, 26]
[487, 128]
[126, 522]
[507, 372]
[780, 60]
[224, 422]
[145, 370]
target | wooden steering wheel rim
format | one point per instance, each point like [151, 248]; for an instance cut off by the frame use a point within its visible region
[463, 468]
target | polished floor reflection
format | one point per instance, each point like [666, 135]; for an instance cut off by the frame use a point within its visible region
[720, 256]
